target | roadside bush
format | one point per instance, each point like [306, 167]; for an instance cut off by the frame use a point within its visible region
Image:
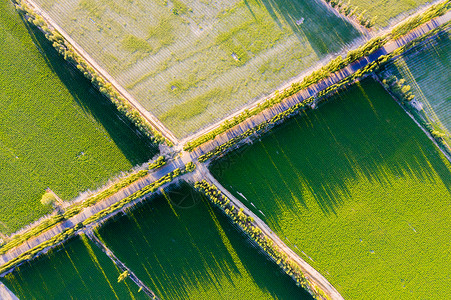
[158, 163]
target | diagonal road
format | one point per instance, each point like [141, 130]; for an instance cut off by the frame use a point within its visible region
[185, 157]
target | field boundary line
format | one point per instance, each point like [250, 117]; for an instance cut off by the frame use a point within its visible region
[428, 134]
[153, 120]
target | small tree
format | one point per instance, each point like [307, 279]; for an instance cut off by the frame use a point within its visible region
[48, 199]
[122, 276]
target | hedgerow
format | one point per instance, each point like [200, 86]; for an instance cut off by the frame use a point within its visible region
[351, 11]
[320, 96]
[70, 212]
[158, 163]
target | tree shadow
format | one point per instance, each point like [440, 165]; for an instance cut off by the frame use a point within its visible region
[312, 22]
[181, 252]
[73, 270]
[360, 133]
[136, 147]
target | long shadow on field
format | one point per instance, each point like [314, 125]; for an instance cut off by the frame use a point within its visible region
[361, 133]
[136, 147]
[179, 246]
[71, 271]
[325, 32]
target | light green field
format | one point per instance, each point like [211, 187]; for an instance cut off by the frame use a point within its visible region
[56, 130]
[386, 10]
[191, 62]
[426, 69]
[356, 189]
[77, 270]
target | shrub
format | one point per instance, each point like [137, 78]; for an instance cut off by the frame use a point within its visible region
[48, 199]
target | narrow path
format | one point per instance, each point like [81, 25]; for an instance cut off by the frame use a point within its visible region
[6, 294]
[314, 89]
[310, 273]
[153, 120]
[91, 235]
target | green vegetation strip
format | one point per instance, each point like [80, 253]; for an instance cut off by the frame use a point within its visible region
[334, 65]
[351, 11]
[246, 223]
[159, 162]
[116, 206]
[69, 54]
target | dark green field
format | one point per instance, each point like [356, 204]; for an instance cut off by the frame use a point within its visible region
[356, 189]
[183, 248]
[56, 130]
[78, 270]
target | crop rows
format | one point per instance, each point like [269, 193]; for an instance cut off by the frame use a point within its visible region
[56, 131]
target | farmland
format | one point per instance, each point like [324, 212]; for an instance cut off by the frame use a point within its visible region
[56, 130]
[183, 248]
[424, 70]
[358, 191]
[385, 11]
[193, 62]
[76, 270]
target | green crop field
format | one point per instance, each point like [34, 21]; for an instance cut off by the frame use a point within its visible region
[386, 10]
[358, 191]
[183, 248]
[193, 62]
[77, 270]
[426, 70]
[56, 130]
